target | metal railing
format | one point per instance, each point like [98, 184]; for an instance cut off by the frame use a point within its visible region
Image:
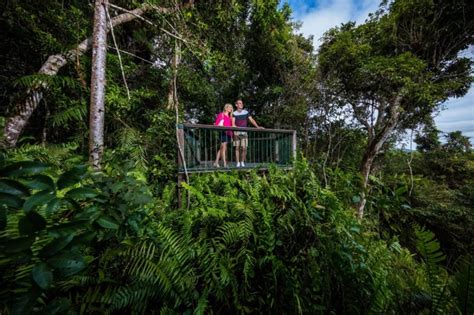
[198, 146]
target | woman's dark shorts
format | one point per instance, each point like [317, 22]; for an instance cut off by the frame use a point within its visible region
[224, 137]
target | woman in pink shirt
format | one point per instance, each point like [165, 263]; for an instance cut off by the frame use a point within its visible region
[224, 119]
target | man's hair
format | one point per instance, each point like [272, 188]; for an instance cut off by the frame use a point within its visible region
[239, 99]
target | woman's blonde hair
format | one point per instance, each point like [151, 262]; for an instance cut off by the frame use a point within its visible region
[227, 106]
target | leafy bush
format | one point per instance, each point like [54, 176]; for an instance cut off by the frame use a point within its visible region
[53, 228]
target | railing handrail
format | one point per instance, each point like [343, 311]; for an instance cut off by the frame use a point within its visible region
[202, 126]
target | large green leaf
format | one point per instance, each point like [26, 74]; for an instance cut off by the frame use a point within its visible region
[56, 245]
[31, 223]
[53, 205]
[107, 222]
[81, 193]
[43, 275]
[24, 168]
[40, 182]
[10, 201]
[68, 228]
[72, 176]
[68, 264]
[38, 199]
[81, 239]
[12, 187]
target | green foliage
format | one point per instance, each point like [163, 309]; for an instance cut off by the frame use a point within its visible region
[427, 197]
[428, 140]
[114, 242]
[457, 143]
[248, 243]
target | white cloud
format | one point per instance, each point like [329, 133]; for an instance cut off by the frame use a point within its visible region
[367, 7]
[463, 125]
[458, 115]
[330, 13]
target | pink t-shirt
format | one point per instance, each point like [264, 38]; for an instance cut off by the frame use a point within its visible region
[227, 122]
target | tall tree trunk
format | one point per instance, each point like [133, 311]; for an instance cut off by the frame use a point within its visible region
[15, 124]
[97, 105]
[373, 148]
[172, 88]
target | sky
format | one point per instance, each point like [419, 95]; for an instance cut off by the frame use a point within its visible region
[317, 16]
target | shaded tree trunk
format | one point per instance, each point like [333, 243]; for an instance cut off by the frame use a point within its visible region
[97, 104]
[373, 148]
[15, 125]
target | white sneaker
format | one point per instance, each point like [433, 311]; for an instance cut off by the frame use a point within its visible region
[242, 164]
[238, 164]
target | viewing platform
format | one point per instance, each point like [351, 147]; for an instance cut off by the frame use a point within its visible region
[198, 146]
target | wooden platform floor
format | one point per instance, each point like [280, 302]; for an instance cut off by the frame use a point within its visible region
[207, 166]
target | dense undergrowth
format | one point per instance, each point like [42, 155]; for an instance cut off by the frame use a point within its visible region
[73, 241]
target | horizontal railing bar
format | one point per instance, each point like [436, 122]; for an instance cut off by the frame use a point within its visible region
[265, 167]
[201, 126]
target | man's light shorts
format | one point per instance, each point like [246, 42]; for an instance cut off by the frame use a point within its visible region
[241, 139]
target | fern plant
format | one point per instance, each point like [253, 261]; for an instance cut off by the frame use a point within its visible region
[437, 276]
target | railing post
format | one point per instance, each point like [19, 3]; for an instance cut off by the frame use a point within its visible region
[181, 155]
[179, 189]
[294, 145]
[277, 151]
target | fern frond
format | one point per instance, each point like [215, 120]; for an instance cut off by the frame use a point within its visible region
[132, 141]
[437, 276]
[135, 296]
[203, 301]
[233, 232]
[52, 154]
[249, 264]
[36, 80]
[76, 112]
[464, 285]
